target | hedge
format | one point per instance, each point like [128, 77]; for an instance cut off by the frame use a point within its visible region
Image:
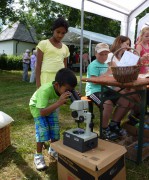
[8, 62]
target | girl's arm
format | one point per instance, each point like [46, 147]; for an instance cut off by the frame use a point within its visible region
[38, 67]
[145, 56]
[139, 48]
[65, 62]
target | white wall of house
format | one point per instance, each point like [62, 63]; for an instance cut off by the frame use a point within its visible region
[6, 47]
[13, 47]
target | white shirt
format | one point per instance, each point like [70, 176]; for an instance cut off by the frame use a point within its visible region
[110, 57]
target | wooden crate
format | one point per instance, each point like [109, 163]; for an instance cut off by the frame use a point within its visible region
[130, 143]
[4, 138]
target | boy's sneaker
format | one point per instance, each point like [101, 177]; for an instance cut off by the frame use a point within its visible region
[53, 153]
[39, 162]
[107, 134]
[118, 130]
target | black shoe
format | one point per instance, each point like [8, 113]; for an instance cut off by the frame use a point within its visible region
[107, 134]
[118, 130]
[115, 127]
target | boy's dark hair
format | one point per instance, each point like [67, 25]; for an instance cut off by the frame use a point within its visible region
[60, 22]
[66, 76]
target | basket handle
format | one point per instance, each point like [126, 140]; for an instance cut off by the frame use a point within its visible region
[127, 49]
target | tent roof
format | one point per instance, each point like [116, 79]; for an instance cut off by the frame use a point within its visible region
[114, 9]
[143, 22]
[123, 11]
[74, 35]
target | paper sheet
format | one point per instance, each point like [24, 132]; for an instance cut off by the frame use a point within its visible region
[128, 59]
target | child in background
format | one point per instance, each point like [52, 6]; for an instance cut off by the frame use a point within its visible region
[97, 68]
[119, 42]
[32, 66]
[52, 53]
[143, 49]
[85, 61]
[43, 105]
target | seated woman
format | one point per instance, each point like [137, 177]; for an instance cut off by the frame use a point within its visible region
[124, 42]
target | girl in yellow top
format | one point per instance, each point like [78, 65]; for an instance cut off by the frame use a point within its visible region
[52, 53]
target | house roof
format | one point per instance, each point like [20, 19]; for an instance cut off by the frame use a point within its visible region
[19, 32]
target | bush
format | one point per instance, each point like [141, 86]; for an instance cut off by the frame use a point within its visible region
[10, 62]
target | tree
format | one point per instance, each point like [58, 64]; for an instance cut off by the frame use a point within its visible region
[6, 10]
[41, 15]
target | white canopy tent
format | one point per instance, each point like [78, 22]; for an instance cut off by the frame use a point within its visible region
[143, 22]
[123, 11]
[73, 36]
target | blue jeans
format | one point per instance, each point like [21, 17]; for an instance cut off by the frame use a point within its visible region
[25, 71]
[32, 78]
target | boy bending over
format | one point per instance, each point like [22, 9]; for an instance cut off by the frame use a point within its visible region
[43, 105]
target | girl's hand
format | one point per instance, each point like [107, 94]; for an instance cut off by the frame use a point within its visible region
[145, 59]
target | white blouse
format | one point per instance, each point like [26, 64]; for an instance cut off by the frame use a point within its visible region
[110, 57]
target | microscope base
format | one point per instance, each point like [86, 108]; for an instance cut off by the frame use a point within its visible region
[80, 142]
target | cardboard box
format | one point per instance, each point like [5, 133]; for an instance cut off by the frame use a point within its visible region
[104, 162]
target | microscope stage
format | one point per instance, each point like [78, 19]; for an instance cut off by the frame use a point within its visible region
[78, 132]
[79, 140]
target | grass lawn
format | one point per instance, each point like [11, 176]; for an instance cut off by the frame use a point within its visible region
[16, 162]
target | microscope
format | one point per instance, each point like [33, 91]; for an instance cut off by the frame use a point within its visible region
[80, 139]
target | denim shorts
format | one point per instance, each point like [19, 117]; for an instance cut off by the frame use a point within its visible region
[47, 128]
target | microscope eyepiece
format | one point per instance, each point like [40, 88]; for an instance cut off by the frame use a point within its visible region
[74, 96]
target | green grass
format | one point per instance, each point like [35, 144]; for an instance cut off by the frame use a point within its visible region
[16, 162]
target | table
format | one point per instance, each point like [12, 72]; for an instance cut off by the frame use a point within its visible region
[140, 86]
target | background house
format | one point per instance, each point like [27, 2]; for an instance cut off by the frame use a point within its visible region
[16, 39]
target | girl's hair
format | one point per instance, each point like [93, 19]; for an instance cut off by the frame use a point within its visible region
[60, 22]
[118, 41]
[66, 76]
[143, 31]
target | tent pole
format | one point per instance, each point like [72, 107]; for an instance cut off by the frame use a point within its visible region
[81, 44]
[90, 44]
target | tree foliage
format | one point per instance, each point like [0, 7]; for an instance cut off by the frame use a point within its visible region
[41, 15]
[6, 10]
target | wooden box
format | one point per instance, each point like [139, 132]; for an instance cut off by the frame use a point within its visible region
[4, 138]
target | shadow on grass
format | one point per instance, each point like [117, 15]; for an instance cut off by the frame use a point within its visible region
[11, 156]
[52, 170]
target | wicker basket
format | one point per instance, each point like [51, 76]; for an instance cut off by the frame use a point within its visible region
[4, 138]
[125, 74]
